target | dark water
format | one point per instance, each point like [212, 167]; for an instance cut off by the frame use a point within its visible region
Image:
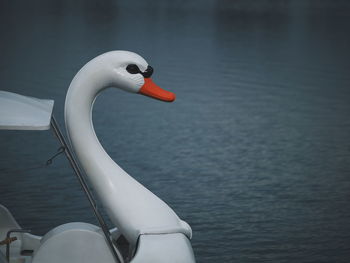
[254, 154]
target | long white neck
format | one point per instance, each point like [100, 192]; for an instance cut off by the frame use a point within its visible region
[131, 207]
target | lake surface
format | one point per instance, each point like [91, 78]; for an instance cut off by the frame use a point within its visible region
[254, 154]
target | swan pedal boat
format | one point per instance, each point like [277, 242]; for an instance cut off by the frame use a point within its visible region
[152, 230]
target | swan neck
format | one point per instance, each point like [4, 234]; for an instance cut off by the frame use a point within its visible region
[132, 208]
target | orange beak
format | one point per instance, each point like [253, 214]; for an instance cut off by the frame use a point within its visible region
[150, 89]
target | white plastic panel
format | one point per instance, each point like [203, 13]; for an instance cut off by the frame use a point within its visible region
[18, 112]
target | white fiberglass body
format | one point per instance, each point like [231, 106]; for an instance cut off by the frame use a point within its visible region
[131, 207]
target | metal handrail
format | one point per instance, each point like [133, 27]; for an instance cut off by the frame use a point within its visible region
[10, 240]
[84, 185]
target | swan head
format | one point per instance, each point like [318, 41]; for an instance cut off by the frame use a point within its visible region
[132, 73]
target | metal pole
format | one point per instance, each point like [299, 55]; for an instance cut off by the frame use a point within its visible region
[85, 187]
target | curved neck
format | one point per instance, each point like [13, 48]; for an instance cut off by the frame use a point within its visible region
[132, 208]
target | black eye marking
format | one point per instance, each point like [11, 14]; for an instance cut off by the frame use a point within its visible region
[134, 69]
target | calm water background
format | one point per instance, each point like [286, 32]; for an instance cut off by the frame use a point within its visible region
[254, 153]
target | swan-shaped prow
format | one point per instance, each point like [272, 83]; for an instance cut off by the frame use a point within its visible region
[131, 207]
